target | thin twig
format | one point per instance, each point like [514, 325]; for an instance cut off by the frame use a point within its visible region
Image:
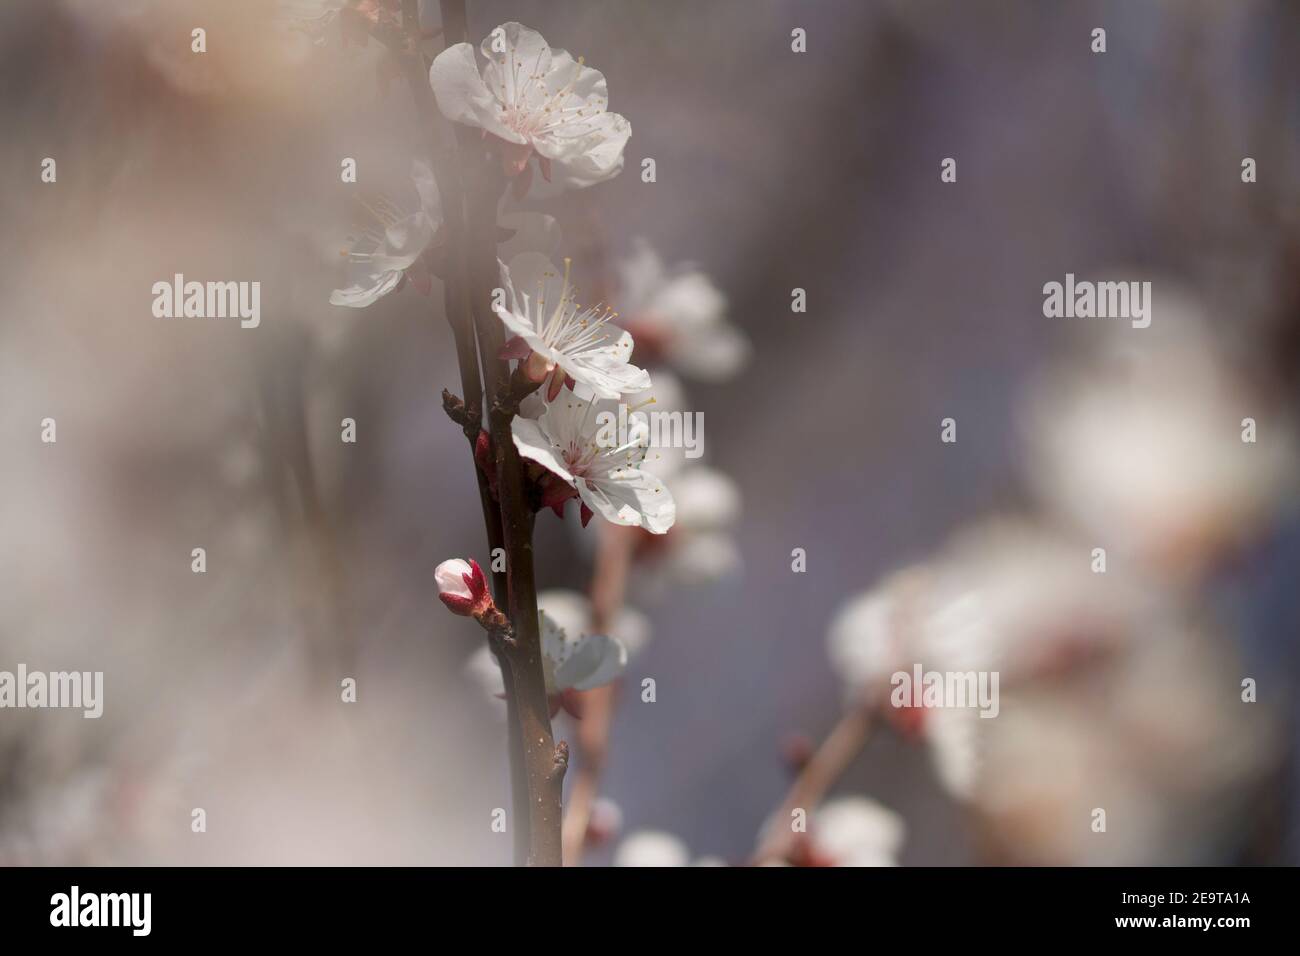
[608, 584]
[816, 778]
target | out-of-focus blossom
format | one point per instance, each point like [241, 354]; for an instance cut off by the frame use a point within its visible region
[701, 547]
[679, 315]
[555, 336]
[652, 848]
[571, 661]
[855, 831]
[1140, 444]
[1022, 601]
[665, 398]
[866, 637]
[578, 661]
[533, 99]
[571, 610]
[566, 440]
[1006, 595]
[311, 18]
[391, 248]
[605, 822]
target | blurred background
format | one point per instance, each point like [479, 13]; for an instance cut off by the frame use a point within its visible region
[775, 170]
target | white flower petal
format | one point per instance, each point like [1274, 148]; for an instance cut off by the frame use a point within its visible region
[366, 289]
[855, 828]
[513, 75]
[533, 443]
[652, 848]
[571, 610]
[595, 157]
[715, 353]
[462, 95]
[629, 496]
[706, 499]
[430, 200]
[450, 577]
[596, 659]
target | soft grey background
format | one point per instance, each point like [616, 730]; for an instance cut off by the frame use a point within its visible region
[775, 170]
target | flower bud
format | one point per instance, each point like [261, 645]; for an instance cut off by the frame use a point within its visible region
[462, 587]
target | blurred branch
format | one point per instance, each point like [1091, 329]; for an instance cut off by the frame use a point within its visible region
[816, 778]
[608, 584]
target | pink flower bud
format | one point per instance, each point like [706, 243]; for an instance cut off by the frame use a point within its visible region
[462, 587]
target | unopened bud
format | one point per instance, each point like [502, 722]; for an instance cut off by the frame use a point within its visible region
[463, 588]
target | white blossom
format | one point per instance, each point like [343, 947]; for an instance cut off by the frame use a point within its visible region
[311, 18]
[571, 660]
[571, 611]
[576, 660]
[701, 548]
[652, 848]
[379, 258]
[1139, 444]
[567, 440]
[535, 100]
[679, 314]
[856, 831]
[561, 338]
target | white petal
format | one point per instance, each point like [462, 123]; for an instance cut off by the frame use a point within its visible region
[533, 405]
[651, 848]
[534, 444]
[861, 644]
[632, 497]
[512, 75]
[641, 275]
[450, 577]
[855, 827]
[366, 289]
[534, 275]
[951, 733]
[405, 239]
[592, 158]
[689, 300]
[586, 86]
[571, 610]
[706, 498]
[702, 558]
[593, 660]
[606, 373]
[427, 187]
[712, 354]
[462, 95]
[520, 325]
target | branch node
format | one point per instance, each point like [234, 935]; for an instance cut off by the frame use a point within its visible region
[466, 416]
[560, 761]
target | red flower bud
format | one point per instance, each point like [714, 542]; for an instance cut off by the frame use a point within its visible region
[462, 587]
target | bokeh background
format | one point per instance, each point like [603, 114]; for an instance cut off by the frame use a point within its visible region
[775, 170]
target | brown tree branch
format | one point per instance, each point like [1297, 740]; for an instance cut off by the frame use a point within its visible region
[544, 763]
[469, 415]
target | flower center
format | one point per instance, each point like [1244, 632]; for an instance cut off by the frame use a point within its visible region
[571, 328]
[551, 112]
